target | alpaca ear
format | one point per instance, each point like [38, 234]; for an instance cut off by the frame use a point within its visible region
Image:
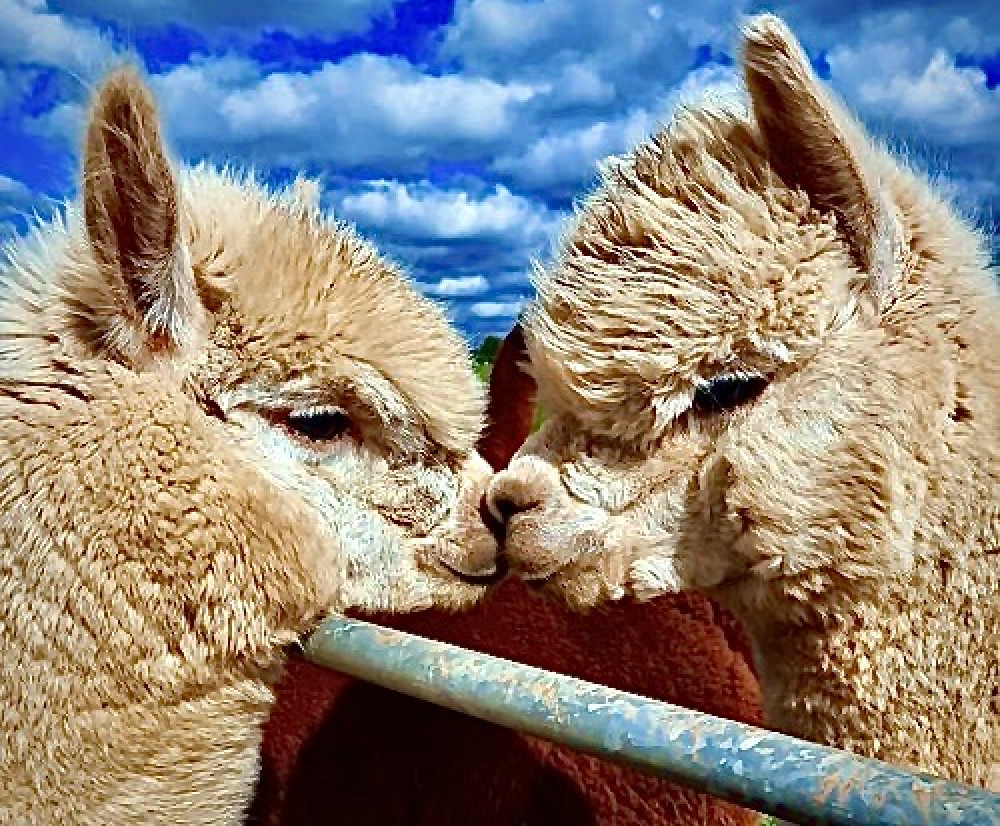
[130, 208]
[510, 410]
[815, 145]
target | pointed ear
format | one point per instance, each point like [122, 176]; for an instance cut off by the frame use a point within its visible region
[815, 145]
[132, 219]
[510, 410]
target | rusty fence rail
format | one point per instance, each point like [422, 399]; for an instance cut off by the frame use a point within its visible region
[766, 771]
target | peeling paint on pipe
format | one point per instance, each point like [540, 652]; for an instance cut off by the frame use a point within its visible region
[770, 772]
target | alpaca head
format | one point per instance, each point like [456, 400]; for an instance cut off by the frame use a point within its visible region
[310, 355]
[733, 357]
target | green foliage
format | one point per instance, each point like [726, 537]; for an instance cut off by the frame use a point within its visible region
[482, 369]
[485, 354]
[489, 349]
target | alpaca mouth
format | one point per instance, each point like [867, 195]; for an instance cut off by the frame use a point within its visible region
[535, 554]
[538, 580]
[487, 575]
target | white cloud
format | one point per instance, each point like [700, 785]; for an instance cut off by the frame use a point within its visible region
[635, 48]
[579, 84]
[366, 109]
[909, 80]
[464, 285]
[32, 35]
[955, 25]
[569, 158]
[515, 37]
[327, 16]
[423, 211]
[496, 309]
[605, 78]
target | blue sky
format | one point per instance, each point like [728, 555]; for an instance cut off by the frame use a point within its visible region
[456, 135]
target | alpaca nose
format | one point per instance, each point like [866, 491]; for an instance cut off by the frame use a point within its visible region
[504, 504]
[502, 508]
[526, 485]
[485, 571]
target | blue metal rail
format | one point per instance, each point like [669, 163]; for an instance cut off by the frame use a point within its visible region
[763, 770]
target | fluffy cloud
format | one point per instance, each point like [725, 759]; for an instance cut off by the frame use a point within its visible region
[604, 80]
[411, 211]
[632, 44]
[565, 162]
[367, 110]
[955, 25]
[465, 285]
[470, 247]
[32, 35]
[496, 309]
[941, 95]
[897, 72]
[325, 17]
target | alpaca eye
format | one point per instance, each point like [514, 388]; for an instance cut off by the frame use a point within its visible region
[319, 425]
[727, 392]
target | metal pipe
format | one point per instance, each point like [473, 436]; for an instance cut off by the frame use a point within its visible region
[764, 770]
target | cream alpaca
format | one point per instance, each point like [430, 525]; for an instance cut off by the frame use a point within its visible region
[217, 423]
[768, 353]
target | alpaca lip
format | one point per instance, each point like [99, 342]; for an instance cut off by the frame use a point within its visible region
[486, 576]
[541, 578]
[537, 583]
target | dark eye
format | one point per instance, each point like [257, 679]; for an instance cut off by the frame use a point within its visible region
[727, 392]
[319, 425]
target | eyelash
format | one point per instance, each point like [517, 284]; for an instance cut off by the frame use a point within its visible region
[316, 426]
[727, 393]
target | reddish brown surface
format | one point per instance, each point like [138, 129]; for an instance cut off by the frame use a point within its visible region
[338, 750]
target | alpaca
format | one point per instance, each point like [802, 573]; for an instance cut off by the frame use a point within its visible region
[767, 352]
[332, 744]
[217, 424]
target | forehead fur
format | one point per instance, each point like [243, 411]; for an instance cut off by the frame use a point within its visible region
[296, 295]
[692, 259]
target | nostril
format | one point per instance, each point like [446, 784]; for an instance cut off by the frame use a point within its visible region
[505, 509]
[502, 508]
[497, 527]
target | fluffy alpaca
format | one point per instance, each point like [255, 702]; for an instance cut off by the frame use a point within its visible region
[376, 757]
[216, 425]
[768, 356]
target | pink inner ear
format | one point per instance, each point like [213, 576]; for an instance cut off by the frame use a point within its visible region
[511, 407]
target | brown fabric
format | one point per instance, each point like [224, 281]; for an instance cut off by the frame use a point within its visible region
[338, 750]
